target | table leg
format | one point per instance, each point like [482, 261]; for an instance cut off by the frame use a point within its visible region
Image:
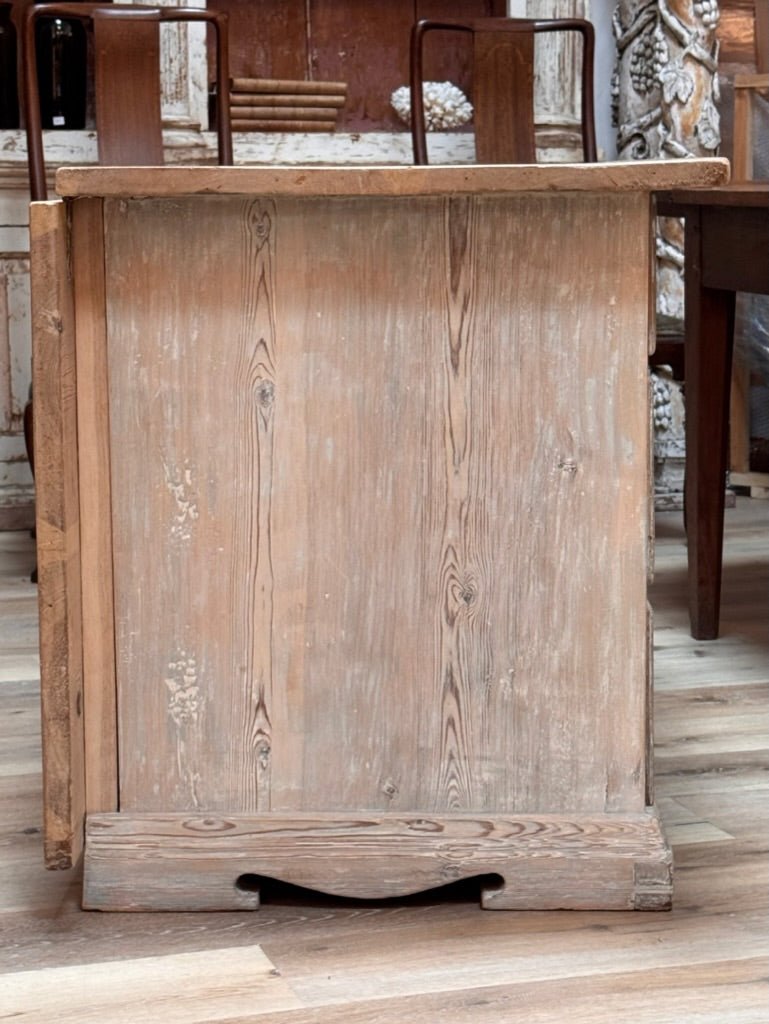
[708, 356]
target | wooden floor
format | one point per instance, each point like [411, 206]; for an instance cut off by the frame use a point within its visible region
[305, 958]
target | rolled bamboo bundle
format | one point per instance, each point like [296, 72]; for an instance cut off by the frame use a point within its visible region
[277, 85]
[285, 114]
[281, 105]
[283, 126]
[266, 99]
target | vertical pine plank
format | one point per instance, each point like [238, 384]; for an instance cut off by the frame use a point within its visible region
[359, 309]
[390, 480]
[58, 526]
[192, 381]
[251, 576]
[94, 454]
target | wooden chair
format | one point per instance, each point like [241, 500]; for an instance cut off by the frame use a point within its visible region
[747, 89]
[127, 82]
[503, 85]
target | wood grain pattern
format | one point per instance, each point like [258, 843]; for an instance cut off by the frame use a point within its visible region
[289, 568]
[94, 455]
[58, 535]
[252, 581]
[351, 605]
[168, 862]
[630, 176]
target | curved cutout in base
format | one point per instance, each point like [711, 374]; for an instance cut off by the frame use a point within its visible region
[545, 862]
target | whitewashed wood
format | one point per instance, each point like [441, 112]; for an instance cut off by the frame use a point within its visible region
[436, 694]
[323, 615]
[16, 488]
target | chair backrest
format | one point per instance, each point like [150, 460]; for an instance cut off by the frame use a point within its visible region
[748, 162]
[503, 85]
[126, 82]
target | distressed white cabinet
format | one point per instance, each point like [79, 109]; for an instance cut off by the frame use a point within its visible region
[16, 491]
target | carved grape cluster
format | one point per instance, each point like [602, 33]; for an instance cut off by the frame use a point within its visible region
[661, 52]
[662, 409]
[708, 12]
[648, 57]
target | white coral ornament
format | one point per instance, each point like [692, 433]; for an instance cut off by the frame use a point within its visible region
[446, 106]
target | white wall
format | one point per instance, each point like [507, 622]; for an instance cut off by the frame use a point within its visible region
[600, 14]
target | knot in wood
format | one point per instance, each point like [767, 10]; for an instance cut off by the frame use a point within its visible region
[265, 393]
[390, 789]
[208, 825]
[259, 225]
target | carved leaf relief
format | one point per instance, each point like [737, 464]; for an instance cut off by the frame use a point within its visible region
[677, 83]
[708, 127]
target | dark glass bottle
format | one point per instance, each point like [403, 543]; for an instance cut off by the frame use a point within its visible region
[9, 93]
[61, 73]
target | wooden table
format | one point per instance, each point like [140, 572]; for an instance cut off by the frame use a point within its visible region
[344, 519]
[726, 246]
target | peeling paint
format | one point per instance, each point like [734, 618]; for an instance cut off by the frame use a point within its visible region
[181, 488]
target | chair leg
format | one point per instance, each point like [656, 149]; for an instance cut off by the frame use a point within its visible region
[708, 366]
[28, 421]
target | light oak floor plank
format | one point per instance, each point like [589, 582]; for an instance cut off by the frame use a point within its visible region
[187, 988]
[436, 956]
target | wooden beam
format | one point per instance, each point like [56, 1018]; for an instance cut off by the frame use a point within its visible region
[58, 535]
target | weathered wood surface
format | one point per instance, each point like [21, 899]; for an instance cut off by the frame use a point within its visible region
[351, 603]
[94, 454]
[58, 535]
[174, 862]
[342, 181]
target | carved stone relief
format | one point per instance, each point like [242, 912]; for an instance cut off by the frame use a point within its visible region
[664, 94]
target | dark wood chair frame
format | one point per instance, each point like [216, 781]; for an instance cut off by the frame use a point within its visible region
[93, 13]
[515, 143]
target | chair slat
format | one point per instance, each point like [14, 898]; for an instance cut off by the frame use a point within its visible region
[128, 121]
